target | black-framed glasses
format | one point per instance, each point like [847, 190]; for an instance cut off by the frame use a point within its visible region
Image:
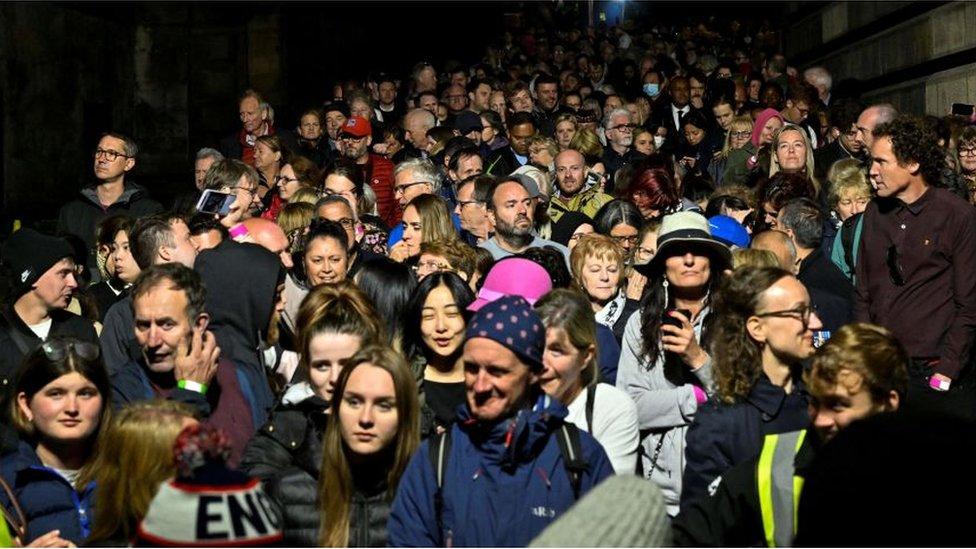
[284, 178]
[110, 155]
[400, 189]
[462, 203]
[625, 239]
[58, 349]
[801, 313]
[895, 272]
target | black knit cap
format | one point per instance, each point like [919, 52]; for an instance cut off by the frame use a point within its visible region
[29, 254]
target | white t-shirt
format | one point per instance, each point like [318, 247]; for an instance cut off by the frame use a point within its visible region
[614, 425]
[42, 330]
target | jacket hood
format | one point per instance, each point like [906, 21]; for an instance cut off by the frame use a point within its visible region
[131, 193]
[241, 282]
[515, 439]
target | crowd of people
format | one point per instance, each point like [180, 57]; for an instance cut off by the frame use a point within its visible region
[449, 304]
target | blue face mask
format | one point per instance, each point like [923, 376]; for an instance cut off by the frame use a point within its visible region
[652, 89]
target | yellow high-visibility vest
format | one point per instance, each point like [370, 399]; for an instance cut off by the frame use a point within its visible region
[779, 487]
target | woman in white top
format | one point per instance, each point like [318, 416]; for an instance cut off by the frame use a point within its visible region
[570, 374]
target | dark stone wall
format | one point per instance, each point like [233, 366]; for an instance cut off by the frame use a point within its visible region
[165, 73]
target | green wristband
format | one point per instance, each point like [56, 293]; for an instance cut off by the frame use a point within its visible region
[192, 386]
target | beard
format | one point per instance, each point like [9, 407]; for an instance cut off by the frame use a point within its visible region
[513, 234]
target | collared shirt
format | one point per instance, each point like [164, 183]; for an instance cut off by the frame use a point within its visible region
[915, 275]
[677, 113]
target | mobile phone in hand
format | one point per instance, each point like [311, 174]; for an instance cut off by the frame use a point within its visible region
[215, 202]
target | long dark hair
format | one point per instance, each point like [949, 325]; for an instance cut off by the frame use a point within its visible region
[737, 360]
[389, 285]
[657, 299]
[413, 343]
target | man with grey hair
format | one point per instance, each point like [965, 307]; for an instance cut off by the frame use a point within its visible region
[412, 178]
[416, 124]
[831, 293]
[257, 119]
[619, 129]
[820, 78]
[870, 118]
[205, 158]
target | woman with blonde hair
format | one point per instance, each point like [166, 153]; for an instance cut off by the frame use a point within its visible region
[335, 321]
[792, 152]
[134, 456]
[566, 128]
[425, 218]
[736, 138]
[373, 432]
[599, 268]
[587, 143]
[570, 374]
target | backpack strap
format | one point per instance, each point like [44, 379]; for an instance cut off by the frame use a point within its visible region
[568, 437]
[19, 339]
[439, 449]
[590, 399]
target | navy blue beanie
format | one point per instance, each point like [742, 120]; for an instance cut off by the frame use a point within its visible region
[511, 322]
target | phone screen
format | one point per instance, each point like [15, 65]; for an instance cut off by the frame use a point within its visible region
[215, 202]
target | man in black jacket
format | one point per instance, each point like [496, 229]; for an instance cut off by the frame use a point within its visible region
[843, 124]
[521, 126]
[831, 293]
[115, 157]
[43, 272]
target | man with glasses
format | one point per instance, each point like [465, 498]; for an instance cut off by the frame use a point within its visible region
[472, 208]
[110, 195]
[235, 177]
[357, 136]
[915, 267]
[572, 193]
[619, 130]
[843, 126]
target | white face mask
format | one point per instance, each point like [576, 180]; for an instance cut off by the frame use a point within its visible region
[658, 141]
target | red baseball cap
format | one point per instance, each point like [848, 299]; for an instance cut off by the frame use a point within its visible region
[357, 126]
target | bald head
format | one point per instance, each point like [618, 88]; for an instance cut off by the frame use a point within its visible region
[269, 236]
[415, 124]
[780, 245]
[570, 172]
[871, 118]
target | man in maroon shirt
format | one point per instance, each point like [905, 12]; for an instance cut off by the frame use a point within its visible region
[357, 136]
[915, 275]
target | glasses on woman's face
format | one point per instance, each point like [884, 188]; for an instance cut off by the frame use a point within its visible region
[801, 313]
[968, 151]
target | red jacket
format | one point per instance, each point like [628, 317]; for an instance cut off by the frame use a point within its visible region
[378, 174]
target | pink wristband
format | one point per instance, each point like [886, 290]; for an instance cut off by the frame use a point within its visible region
[939, 384]
[238, 230]
[701, 397]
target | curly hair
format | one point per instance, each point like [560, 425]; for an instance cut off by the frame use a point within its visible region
[912, 140]
[859, 355]
[737, 357]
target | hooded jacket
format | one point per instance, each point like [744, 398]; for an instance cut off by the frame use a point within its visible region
[241, 281]
[49, 501]
[503, 484]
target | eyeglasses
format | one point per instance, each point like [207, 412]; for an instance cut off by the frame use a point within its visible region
[622, 240]
[401, 189]
[283, 179]
[967, 152]
[625, 127]
[110, 155]
[253, 191]
[57, 349]
[463, 203]
[895, 272]
[801, 313]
